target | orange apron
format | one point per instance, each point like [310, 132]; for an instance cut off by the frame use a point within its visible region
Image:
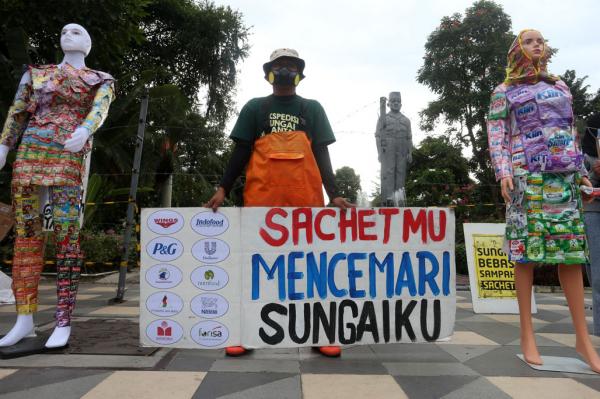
[283, 172]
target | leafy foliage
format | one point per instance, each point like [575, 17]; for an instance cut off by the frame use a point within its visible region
[182, 52]
[347, 183]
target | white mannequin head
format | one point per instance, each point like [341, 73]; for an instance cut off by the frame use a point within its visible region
[74, 37]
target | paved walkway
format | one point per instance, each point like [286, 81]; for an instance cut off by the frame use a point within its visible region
[104, 361]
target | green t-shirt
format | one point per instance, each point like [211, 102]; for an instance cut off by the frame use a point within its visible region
[283, 114]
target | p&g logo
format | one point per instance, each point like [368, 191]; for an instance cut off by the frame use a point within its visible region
[164, 248]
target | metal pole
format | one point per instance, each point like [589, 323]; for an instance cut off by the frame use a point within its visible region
[135, 175]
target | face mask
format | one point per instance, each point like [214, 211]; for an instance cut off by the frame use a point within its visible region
[284, 77]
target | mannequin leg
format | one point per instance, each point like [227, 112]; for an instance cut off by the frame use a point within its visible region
[28, 261]
[66, 205]
[523, 284]
[571, 281]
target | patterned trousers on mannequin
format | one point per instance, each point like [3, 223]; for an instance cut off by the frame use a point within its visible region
[28, 259]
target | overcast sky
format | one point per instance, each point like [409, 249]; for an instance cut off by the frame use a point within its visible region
[357, 51]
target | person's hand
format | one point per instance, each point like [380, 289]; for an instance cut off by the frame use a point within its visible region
[216, 200]
[409, 158]
[77, 139]
[586, 197]
[506, 186]
[596, 168]
[3, 154]
[342, 203]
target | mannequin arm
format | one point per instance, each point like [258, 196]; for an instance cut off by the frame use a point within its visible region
[17, 118]
[104, 96]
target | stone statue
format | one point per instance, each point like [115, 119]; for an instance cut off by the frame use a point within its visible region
[394, 148]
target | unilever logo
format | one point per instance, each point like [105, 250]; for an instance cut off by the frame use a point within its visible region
[210, 250]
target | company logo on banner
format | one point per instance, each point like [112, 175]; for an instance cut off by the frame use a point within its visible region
[164, 332]
[209, 333]
[210, 250]
[165, 249]
[209, 278]
[164, 276]
[290, 277]
[209, 223]
[164, 304]
[165, 222]
[209, 306]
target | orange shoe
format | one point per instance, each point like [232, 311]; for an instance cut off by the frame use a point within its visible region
[235, 351]
[330, 351]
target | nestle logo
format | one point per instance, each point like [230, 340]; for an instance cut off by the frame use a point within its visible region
[209, 223]
[166, 222]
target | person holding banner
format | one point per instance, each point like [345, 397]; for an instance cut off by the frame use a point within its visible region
[282, 142]
[536, 157]
[591, 146]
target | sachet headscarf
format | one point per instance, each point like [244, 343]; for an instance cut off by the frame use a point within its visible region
[520, 68]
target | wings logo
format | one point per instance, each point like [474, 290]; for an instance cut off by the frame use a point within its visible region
[166, 222]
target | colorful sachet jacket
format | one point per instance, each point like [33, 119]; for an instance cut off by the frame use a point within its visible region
[530, 129]
[46, 110]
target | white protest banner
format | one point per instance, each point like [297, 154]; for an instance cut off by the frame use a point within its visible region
[491, 274]
[267, 277]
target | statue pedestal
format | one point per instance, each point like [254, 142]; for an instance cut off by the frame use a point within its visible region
[27, 346]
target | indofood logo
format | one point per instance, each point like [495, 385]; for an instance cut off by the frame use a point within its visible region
[165, 221]
[209, 333]
[209, 278]
[164, 248]
[210, 250]
[209, 223]
[209, 305]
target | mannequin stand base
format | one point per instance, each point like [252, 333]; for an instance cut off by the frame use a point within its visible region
[27, 346]
[561, 364]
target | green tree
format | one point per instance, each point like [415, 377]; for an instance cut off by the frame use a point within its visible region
[183, 51]
[464, 60]
[347, 182]
[438, 174]
[582, 100]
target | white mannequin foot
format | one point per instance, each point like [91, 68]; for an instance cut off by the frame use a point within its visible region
[59, 337]
[24, 327]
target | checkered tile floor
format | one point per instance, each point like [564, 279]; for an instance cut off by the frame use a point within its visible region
[479, 362]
